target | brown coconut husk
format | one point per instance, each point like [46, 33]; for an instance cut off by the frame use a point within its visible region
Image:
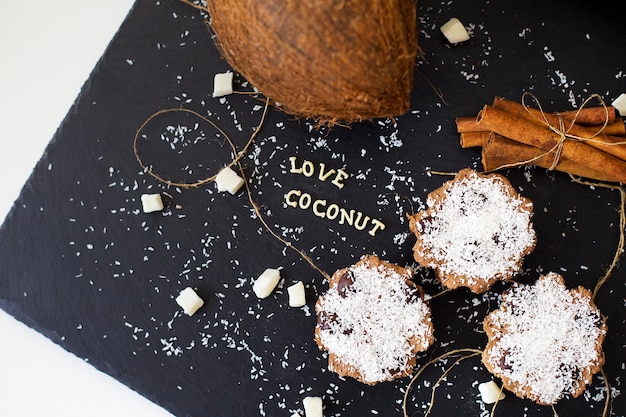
[333, 61]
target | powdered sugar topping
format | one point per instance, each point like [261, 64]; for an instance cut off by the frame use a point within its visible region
[544, 337]
[374, 325]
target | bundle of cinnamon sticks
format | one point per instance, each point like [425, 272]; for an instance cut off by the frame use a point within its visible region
[589, 142]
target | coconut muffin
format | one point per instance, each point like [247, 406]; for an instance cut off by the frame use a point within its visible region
[476, 230]
[372, 321]
[545, 341]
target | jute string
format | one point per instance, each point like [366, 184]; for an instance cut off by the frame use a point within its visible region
[201, 182]
[469, 353]
[238, 155]
[195, 6]
[622, 226]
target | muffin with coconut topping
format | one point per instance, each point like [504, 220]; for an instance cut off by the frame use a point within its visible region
[477, 230]
[545, 341]
[372, 321]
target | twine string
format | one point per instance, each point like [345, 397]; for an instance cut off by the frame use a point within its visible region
[469, 353]
[622, 226]
[607, 401]
[237, 156]
[159, 177]
[195, 6]
[559, 147]
[257, 211]
[443, 377]
[563, 130]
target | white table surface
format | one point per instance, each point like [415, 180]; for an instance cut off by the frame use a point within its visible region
[47, 51]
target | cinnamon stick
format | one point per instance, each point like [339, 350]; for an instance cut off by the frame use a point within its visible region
[617, 128]
[532, 134]
[500, 152]
[473, 139]
[589, 116]
[471, 133]
[612, 145]
[467, 124]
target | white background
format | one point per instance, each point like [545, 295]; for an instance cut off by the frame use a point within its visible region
[47, 51]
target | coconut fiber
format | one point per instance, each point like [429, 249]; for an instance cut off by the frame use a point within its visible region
[333, 61]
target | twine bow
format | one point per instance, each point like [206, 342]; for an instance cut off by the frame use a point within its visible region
[562, 130]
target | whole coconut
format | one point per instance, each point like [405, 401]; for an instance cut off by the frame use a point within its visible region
[329, 60]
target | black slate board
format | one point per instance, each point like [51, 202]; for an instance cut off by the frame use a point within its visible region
[83, 265]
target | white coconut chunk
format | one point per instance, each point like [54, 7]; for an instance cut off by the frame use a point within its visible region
[297, 297]
[266, 282]
[151, 202]
[454, 31]
[620, 104]
[313, 406]
[490, 392]
[222, 84]
[189, 301]
[228, 180]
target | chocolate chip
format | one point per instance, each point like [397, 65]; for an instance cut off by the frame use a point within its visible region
[324, 320]
[503, 361]
[424, 223]
[345, 281]
[394, 371]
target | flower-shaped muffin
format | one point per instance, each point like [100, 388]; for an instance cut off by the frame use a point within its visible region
[477, 230]
[545, 341]
[372, 321]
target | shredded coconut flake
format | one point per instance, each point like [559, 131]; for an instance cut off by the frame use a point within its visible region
[545, 338]
[478, 229]
[373, 323]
